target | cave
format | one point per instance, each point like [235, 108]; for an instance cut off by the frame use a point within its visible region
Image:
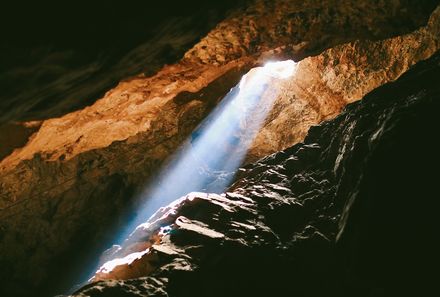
[219, 148]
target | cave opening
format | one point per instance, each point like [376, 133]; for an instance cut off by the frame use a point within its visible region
[210, 157]
[332, 190]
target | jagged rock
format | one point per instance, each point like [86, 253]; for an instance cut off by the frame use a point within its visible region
[303, 27]
[64, 64]
[147, 286]
[349, 212]
[324, 84]
[74, 181]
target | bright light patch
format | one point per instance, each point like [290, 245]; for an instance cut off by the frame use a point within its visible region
[127, 260]
[207, 161]
[209, 158]
[280, 69]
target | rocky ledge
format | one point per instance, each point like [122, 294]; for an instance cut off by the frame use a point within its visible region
[70, 183]
[351, 211]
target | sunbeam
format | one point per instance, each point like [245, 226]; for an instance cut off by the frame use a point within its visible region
[207, 161]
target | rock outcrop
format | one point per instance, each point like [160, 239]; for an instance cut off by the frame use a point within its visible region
[325, 83]
[56, 59]
[77, 176]
[349, 212]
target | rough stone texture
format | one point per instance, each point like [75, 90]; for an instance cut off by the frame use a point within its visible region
[304, 27]
[51, 63]
[16, 135]
[74, 181]
[349, 212]
[325, 83]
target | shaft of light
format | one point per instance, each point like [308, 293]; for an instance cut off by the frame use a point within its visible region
[208, 160]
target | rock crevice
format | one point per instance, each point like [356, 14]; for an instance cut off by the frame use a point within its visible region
[77, 177]
[348, 212]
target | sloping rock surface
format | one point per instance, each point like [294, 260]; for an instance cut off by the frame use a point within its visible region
[352, 211]
[58, 58]
[74, 182]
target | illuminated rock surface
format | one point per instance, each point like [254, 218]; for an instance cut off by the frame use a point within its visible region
[324, 84]
[349, 212]
[66, 57]
[74, 181]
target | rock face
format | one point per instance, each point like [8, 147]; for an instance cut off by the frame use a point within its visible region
[51, 63]
[349, 212]
[15, 135]
[325, 83]
[77, 176]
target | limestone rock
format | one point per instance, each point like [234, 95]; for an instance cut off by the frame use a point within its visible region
[325, 83]
[75, 180]
[57, 59]
[349, 212]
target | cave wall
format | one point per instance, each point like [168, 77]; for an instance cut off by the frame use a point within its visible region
[325, 83]
[77, 176]
[67, 56]
[351, 211]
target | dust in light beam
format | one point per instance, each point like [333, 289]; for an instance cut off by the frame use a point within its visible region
[208, 160]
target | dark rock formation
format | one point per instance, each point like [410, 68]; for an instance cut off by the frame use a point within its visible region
[352, 211]
[16, 135]
[77, 176]
[58, 58]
